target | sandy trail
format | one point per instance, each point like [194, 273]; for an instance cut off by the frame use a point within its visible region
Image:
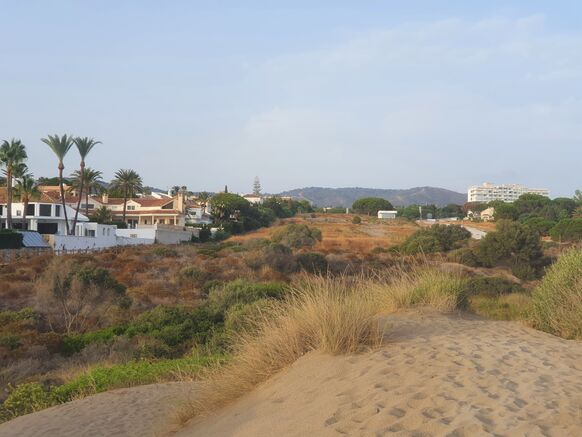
[138, 411]
[438, 376]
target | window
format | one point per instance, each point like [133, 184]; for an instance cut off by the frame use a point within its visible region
[87, 206]
[103, 231]
[108, 232]
[30, 210]
[1, 209]
[57, 210]
[89, 233]
[131, 207]
[44, 210]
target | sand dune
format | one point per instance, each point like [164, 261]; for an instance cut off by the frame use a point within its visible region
[436, 376]
[138, 411]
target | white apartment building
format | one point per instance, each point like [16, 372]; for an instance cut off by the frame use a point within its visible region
[505, 192]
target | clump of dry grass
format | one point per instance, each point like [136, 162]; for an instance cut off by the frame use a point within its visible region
[331, 315]
[422, 286]
[334, 315]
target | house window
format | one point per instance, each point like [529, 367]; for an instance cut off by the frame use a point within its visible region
[57, 210]
[103, 231]
[44, 210]
[108, 232]
[89, 232]
[30, 210]
[1, 209]
[87, 206]
[131, 207]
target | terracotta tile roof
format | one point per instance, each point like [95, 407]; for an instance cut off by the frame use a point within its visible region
[149, 212]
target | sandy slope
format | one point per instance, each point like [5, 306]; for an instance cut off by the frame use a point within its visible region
[138, 411]
[439, 376]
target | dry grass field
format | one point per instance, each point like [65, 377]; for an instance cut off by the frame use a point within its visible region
[340, 235]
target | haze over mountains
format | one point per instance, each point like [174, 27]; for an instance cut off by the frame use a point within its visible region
[345, 197]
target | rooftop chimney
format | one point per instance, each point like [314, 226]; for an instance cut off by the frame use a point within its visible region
[105, 198]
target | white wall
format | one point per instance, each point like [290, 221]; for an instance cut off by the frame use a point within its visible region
[158, 233]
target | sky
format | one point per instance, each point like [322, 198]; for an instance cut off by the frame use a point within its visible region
[335, 93]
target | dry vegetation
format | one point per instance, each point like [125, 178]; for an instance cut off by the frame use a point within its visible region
[341, 236]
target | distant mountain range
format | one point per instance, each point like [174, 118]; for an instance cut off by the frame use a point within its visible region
[345, 197]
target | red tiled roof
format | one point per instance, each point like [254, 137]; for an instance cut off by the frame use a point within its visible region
[149, 212]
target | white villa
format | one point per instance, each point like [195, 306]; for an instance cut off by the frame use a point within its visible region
[43, 217]
[387, 214]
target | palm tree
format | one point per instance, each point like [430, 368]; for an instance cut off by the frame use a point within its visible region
[203, 199]
[61, 146]
[92, 184]
[84, 146]
[12, 155]
[129, 183]
[26, 189]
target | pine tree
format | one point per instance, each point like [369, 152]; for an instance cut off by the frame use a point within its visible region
[257, 186]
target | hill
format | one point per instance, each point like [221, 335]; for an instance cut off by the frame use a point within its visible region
[344, 197]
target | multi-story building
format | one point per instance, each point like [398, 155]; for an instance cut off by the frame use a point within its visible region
[504, 192]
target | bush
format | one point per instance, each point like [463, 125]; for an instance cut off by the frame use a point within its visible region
[491, 286]
[177, 327]
[567, 230]
[514, 244]
[76, 343]
[25, 399]
[165, 252]
[243, 292]
[10, 239]
[437, 238]
[279, 257]
[75, 297]
[356, 220]
[192, 276]
[312, 262]
[557, 300]
[297, 235]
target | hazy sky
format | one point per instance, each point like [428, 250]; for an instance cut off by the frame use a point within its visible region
[345, 93]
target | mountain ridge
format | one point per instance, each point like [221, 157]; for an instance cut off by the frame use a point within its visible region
[345, 196]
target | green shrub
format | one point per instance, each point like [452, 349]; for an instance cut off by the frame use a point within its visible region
[557, 300]
[25, 399]
[491, 286]
[280, 258]
[72, 344]
[437, 238]
[567, 230]
[243, 292]
[356, 220]
[10, 341]
[312, 262]
[192, 276]
[514, 306]
[10, 239]
[241, 317]
[464, 255]
[177, 327]
[297, 235]
[513, 244]
[165, 252]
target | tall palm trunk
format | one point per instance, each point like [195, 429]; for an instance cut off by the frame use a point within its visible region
[61, 168]
[87, 202]
[9, 199]
[25, 202]
[82, 177]
[125, 195]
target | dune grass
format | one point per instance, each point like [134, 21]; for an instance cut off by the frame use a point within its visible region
[332, 315]
[557, 300]
[514, 306]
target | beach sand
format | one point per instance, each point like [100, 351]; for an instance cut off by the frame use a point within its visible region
[437, 375]
[137, 411]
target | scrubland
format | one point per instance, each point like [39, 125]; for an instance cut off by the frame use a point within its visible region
[234, 313]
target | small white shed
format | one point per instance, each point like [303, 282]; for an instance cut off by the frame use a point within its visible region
[387, 214]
